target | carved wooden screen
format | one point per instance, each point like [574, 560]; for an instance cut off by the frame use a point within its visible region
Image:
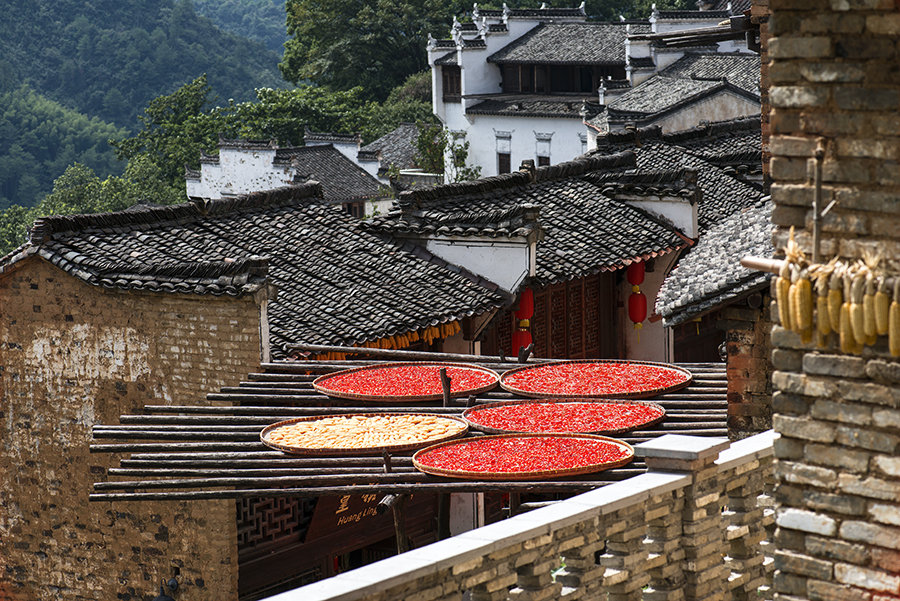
[540, 323]
[264, 523]
[575, 311]
[558, 322]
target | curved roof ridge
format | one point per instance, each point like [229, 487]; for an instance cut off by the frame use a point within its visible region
[46, 227]
[715, 128]
[585, 164]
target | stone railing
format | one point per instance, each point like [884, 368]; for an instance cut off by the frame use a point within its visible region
[694, 526]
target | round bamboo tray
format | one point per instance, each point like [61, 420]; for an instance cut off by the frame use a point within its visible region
[321, 383]
[470, 415]
[419, 459]
[622, 393]
[347, 451]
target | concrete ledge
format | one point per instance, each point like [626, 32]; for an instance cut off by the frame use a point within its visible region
[679, 446]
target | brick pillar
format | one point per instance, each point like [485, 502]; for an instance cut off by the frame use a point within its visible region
[702, 537]
[749, 367]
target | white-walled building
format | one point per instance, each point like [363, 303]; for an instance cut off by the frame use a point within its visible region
[522, 84]
[246, 166]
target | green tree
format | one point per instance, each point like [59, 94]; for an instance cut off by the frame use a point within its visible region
[374, 44]
[438, 152]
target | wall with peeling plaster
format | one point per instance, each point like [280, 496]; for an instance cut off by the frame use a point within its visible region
[72, 356]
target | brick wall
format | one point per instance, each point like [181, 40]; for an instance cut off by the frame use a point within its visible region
[749, 367]
[835, 82]
[72, 356]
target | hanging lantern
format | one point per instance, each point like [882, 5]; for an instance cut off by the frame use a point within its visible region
[526, 304]
[635, 273]
[521, 336]
[637, 307]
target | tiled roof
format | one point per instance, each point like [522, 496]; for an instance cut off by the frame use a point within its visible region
[718, 15]
[336, 284]
[583, 230]
[341, 178]
[710, 274]
[474, 43]
[570, 44]
[397, 147]
[723, 194]
[642, 62]
[447, 59]
[524, 106]
[737, 6]
[497, 27]
[739, 68]
[545, 12]
[658, 94]
[444, 43]
[322, 136]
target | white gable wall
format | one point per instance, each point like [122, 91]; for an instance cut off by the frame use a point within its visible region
[239, 171]
[722, 106]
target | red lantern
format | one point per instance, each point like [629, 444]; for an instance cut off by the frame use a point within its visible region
[637, 307]
[520, 339]
[526, 304]
[635, 273]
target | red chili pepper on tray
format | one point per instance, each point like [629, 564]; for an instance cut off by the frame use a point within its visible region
[565, 417]
[594, 379]
[513, 454]
[407, 380]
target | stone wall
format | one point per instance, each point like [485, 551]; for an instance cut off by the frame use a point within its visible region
[72, 356]
[836, 83]
[748, 365]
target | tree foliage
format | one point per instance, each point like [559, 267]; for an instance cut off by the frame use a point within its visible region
[39, 138]
[259, 20]
[108, 58]
[374, 44]
[79, 190]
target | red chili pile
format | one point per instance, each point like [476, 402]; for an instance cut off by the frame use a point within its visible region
[594, 379]
[515, 454]
[407, 380]
[565, 417]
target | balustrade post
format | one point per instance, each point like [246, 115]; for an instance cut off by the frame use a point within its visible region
[626, 554]
[663, 542]
[745, 530]
[702, 536]
[582, 577]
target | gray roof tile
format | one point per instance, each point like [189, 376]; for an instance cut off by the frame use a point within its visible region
[397, 147]
[570, 43]
[710, 274]
[337, 284]
[741, 69]
[584, 231]
[722, 192]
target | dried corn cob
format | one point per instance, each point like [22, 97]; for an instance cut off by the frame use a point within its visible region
[845, 332]
[823, 320]
[882, 306]
[857, 320]
[782, 294]
[869, 306]
[894, 321]
[835, 298]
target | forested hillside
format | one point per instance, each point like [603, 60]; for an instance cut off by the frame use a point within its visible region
[108, 59]
[259, 20]
[39, 138]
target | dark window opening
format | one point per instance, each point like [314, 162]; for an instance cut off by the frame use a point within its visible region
[504, 164]
[452, 83]
[543, 161]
